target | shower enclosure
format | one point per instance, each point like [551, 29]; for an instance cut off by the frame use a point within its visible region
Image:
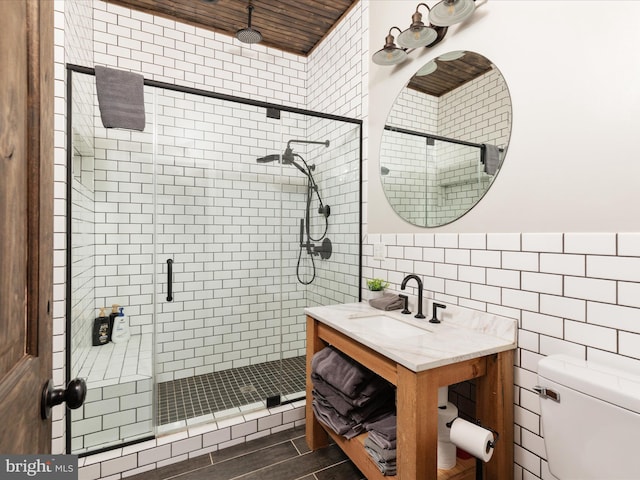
[213, 228]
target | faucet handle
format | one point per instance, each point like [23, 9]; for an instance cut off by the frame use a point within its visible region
[434, 317]
[406, 304]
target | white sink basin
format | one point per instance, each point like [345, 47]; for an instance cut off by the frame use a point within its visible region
[384, 326]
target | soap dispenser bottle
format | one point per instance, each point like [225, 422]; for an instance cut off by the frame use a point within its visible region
[112, 318]
[101, 329]
[120, 332]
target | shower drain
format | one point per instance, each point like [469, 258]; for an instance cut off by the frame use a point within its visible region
[248, 389]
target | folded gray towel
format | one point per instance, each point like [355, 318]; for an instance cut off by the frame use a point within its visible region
[491, 158]
[336, 422]
[376, 389]
[120, 98]
[372, 411]
[383, 432]
[388, 301]
[380, 454]
[340, 371]
[385, 467]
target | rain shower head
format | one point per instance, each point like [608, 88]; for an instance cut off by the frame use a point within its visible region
[248, 34]
[288, 157]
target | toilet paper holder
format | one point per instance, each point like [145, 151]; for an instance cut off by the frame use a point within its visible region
[477, 422]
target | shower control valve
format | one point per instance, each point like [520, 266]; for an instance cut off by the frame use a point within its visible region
[324, 210]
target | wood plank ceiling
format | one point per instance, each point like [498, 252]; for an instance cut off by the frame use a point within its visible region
[451, 74]
[294, 26]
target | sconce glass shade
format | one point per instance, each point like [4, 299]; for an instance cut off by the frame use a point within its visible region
[418, 34]
[450, 56]
[390, 54]
[427, 69]
[450, 12]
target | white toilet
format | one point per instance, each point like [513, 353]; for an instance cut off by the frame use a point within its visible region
[590, 419]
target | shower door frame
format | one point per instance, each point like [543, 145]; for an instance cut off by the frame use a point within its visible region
[269, 107]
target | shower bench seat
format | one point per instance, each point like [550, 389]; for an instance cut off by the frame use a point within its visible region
[115, 363]
[119, 394]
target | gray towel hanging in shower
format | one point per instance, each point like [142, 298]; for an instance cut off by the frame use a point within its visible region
[491, 158]
[120, 98]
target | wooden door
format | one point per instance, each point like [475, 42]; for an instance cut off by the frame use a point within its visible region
[26, 222]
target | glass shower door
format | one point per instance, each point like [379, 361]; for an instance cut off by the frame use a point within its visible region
[218, 259]
[210, 228]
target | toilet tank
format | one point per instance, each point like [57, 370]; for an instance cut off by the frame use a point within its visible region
[590, 419]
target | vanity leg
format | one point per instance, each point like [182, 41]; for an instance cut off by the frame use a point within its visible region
[494, 396]
[315, 435]
[417, 410]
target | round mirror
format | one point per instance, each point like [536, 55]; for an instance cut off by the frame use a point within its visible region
[445, 138]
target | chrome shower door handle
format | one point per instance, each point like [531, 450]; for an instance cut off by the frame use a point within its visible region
[169, 280]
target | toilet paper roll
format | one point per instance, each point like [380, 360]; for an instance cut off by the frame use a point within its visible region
[472, 439]
[446, 415]
[446, 455]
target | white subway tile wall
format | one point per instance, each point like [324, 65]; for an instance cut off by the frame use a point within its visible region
[168, 51]
[586, 313]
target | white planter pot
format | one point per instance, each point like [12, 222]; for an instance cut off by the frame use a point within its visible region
[371, 294]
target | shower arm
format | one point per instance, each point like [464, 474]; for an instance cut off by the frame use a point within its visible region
[308, 142]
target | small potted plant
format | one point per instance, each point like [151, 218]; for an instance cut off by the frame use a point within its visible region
[376, 287]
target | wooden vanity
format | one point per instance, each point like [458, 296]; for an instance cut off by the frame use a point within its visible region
[417, 413]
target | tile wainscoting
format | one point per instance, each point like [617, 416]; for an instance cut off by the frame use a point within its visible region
[571, 293]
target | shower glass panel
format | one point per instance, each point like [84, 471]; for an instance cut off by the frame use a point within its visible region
[110, 261]
[214, 229]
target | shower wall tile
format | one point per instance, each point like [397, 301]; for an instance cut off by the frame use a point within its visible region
[168, 51]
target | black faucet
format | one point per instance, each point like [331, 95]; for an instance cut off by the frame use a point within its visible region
[434, 317]
[405, 310]
[417, 279]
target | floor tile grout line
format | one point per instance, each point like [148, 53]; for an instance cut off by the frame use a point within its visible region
[252, 451]
[346, 460]
[269, 466]
[213, 464]
[295, 446]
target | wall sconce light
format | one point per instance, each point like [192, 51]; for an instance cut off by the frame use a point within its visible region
[450, 12]
[444, 14]
[390, 54]
[418, 34]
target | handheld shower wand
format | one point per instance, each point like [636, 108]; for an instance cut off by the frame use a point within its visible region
[324, 249]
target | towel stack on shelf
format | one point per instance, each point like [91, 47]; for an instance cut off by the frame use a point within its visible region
[348, 397]
[380, 444]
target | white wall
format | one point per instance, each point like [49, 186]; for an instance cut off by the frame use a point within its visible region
[572, 162]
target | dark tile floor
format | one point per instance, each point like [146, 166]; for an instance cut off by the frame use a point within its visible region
[214, 392]
[282, 456]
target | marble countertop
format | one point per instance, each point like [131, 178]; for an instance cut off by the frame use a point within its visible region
[418, 344]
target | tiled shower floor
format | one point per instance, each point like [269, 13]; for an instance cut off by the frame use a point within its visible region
[215, 392]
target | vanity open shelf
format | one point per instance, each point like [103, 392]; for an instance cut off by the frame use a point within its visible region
[416, 403]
